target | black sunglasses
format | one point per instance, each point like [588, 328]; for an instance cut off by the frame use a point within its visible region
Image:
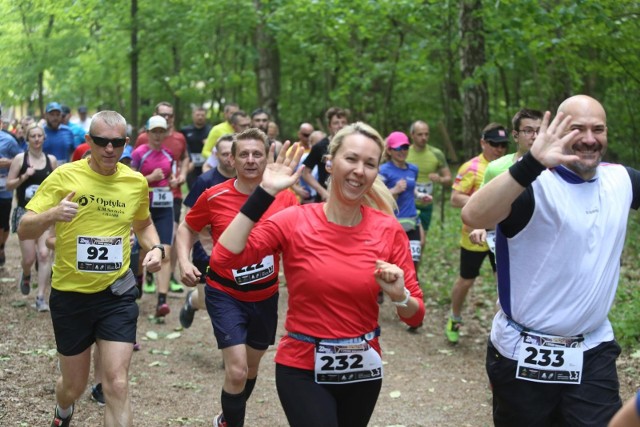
[306, 135]
[103, 142]
[497, 144]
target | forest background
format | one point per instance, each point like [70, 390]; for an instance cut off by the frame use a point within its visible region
[456, 64]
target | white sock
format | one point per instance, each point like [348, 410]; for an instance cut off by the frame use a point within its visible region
[65, 413]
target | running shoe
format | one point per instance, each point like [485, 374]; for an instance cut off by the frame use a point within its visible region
[97, 395]
[175, 286]
[187, 312]
[414, 329]
[149, 286]
[218, 421]
[25, 286]
[41, 305]
[162, 310]
[58, 421]
[452, 331]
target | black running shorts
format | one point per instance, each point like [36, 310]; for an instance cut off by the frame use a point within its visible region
[79, 319]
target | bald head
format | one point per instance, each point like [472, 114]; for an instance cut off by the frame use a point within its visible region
[315, 137]
[590, 143]
[419, 132]
[580, 105]
[304, 132]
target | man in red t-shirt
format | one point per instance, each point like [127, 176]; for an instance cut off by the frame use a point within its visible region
[242, 303]
[176, 144]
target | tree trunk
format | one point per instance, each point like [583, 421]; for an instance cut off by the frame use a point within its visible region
[450, 89]
[267, 65]
[133, 114]
[504, 81]
[177, 101]
[475, 102]
[41, 93]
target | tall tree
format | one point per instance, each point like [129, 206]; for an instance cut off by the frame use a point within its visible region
[267, 62]
[133, 117]
[475, 97]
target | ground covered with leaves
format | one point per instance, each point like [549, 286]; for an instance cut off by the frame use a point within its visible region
[175, 379]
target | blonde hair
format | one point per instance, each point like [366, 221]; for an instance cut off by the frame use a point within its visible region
[33, 126]
[378, 196]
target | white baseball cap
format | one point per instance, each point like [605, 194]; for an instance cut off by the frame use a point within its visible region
[156, 122]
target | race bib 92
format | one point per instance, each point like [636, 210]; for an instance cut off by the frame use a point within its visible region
[99, 254]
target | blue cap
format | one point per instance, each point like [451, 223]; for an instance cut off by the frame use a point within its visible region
[52, 106]
[126, 154]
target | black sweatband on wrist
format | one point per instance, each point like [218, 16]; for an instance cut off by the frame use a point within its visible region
[257, 204]
[526, 170]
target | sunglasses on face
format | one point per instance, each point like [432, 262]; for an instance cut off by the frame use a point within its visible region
[401, 148]
[103, 142]
[498, 144]
[306, 135]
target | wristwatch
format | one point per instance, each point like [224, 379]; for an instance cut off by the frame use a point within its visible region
[404, 302]
[161, 247]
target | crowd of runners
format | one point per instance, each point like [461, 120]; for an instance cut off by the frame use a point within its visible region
[344, 214]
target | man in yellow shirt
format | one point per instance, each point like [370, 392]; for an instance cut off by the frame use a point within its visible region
[432, 168]
[220, 129]
[94, 204]
[494, 142]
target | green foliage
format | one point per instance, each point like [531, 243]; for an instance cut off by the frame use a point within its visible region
[389, 61]
[626, 309]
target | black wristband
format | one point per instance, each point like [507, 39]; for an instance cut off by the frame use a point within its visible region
[526, 170]
[257, 204]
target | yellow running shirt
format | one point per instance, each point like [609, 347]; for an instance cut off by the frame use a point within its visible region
[92, 250]
[468, 181]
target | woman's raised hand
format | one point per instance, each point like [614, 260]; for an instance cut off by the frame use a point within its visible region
[281, 173]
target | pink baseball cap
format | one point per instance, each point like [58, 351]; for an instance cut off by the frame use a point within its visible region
[397, 139]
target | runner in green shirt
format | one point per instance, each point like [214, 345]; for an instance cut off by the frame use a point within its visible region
[432, 168]
[526, 124]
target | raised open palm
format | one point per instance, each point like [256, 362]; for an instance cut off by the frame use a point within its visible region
[281, 173]
[549, 146]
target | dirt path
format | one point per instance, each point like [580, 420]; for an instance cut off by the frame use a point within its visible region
[176, 382]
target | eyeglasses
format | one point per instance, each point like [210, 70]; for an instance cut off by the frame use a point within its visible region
[306, 135]
[529, 131]
[498, 144]
[166, 115]
[401, 148]
[103, 142]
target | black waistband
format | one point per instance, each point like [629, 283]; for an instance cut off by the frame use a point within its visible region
[228, 283]
[313, 340]
[524, 330]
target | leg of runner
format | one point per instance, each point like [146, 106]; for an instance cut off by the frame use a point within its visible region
[115, 358]
[44, 272]
[28, 251]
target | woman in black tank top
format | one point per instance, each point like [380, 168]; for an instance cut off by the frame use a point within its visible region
[26, 173]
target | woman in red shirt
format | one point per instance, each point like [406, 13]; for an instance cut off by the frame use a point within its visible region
[337, 256]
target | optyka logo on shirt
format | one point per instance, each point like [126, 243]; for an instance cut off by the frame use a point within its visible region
[84, 200]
